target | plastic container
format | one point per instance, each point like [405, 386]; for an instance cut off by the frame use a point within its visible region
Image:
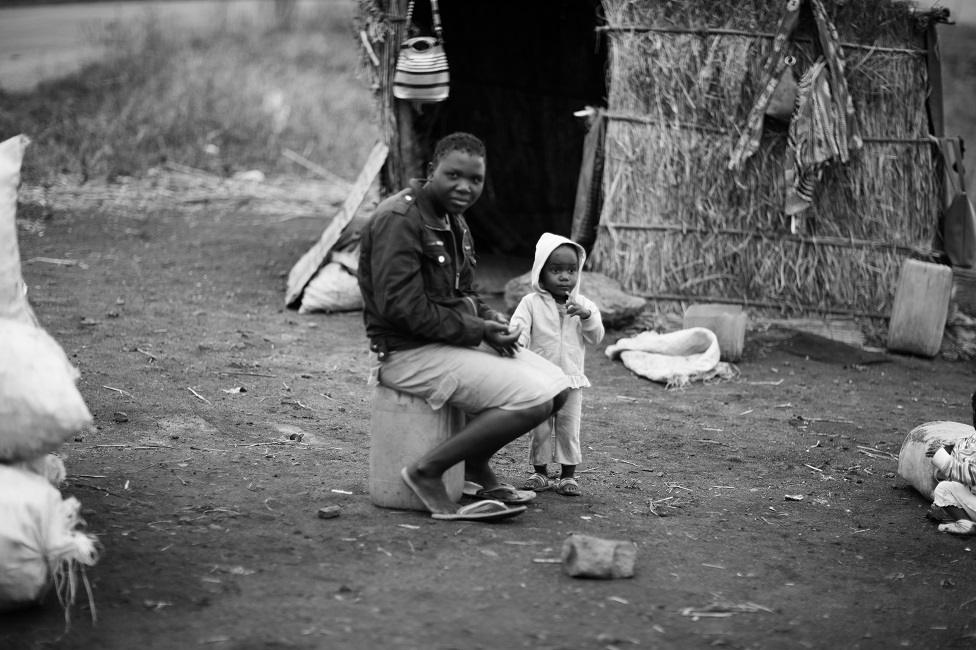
[727, 322]
[920, 309]
[402, 429]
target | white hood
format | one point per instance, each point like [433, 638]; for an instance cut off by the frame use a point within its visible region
[547, 243]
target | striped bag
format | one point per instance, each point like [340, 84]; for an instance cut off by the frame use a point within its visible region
[421, 71]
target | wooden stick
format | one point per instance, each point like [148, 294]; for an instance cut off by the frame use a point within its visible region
[199, 396]
[309, 264]
[318, 169]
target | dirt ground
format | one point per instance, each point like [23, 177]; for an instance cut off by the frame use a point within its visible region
[205, 498]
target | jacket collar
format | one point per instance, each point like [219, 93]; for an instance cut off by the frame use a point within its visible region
[428, 211]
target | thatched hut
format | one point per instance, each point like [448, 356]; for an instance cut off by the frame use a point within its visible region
[674, 83]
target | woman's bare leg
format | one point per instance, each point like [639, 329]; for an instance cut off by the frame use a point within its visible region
[475, 444]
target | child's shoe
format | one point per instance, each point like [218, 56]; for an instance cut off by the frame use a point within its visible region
[537, 483]
[568, 487]
[961, 527]
[939, 514]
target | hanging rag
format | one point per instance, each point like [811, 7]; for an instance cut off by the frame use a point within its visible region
[776, 64]
[824, 127]
[589, 185]
[958, 216]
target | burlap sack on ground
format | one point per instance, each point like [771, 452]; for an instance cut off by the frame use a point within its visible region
[13, 293]
[913, 465]
[41, 544]
[40, 406]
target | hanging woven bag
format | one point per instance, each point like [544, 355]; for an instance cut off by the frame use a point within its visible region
[422, 73]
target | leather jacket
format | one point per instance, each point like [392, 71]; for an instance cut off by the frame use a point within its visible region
[417, 284]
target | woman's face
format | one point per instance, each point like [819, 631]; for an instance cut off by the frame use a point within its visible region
[456, 180]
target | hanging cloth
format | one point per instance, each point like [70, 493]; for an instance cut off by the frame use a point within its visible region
[777, 62]
[824, 127]
[589, 185]
[848, 133]
[958, 219]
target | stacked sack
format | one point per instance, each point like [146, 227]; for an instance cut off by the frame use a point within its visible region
[41, 541]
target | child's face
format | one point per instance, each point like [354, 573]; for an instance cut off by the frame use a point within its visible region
[456, 180]
[558, 275]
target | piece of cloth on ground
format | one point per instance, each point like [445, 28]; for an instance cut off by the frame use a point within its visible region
[675, 358]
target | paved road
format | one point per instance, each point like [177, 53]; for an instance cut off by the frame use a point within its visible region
[42, 42]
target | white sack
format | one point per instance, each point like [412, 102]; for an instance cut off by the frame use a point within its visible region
[335, 286]
[675, 359]
[913, 465]
[13, 291]
[40, 542]
[40, 406]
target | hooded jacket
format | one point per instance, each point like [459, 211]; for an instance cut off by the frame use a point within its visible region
[546, 327]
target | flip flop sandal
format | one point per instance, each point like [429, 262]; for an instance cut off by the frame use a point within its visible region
[487, 510]
[537, 483]
[502, 492]
[568, 487]
[506, 494]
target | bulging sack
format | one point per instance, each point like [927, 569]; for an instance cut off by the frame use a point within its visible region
[41, 542]
[421, 72]
[41, 407]
[917, 468]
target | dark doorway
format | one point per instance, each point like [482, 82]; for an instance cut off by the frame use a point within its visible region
[518, 72]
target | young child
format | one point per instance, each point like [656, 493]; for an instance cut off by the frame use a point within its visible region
[556, 322]
[953, 501]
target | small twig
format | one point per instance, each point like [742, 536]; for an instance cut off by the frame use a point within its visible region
[274, 442]
[198, 395]
[369, 49]
[621, 460]
[128, 446]
[250, 374]
[119, 391]
[675, 486]
[152, 357]
[966, 602]
[58, 261]
[765, 383]
[816, 469]
[162, 462]
[881, 452]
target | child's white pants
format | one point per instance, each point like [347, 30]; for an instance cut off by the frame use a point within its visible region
[953, 493]
[557, 440]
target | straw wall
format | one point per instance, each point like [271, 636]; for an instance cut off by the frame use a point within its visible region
[677, 223]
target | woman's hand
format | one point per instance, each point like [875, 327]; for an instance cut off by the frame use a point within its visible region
[500, 338]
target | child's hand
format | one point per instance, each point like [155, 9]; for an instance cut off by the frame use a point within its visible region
[575, 309]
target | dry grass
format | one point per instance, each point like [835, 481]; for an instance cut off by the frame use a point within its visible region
[676, 222]
[224, 101]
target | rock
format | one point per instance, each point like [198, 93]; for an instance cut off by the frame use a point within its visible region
[584, 556]
[616, 307]
[330, 512]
